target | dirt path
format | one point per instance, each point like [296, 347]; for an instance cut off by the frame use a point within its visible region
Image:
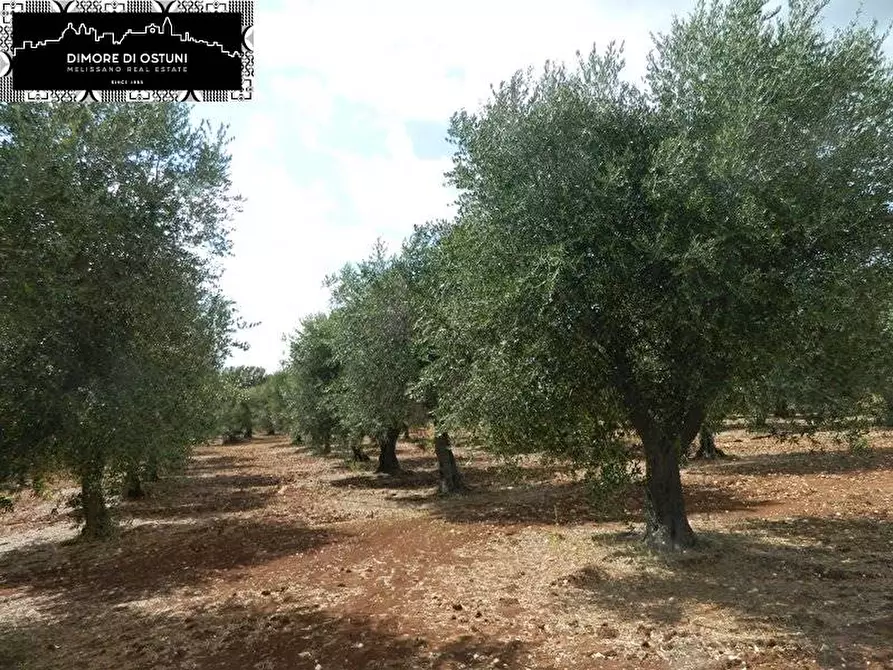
[263, 556]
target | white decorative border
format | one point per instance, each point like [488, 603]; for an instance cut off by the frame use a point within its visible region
[243, 7]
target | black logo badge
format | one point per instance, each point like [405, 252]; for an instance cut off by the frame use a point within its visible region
[202, 54]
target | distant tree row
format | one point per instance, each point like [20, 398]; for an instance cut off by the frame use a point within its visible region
[250, 401]
[635, 261]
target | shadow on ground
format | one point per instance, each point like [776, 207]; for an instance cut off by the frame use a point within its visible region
[572, 502]
[826, 581]
[197, 494]
[808, 462]
[234, 636]
[150, 560]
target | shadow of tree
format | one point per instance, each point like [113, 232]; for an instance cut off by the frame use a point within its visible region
[406, 479]
[218, 463]
[809, 462]
[569, 501]
[827, 582]
[420, 471]
[195, 495]
[235, 636]
[148, 560]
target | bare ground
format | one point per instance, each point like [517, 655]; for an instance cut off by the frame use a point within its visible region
[264, 556]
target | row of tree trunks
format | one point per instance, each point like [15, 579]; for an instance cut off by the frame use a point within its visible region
[450, 480]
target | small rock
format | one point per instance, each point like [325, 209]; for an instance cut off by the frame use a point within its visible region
[457, 607]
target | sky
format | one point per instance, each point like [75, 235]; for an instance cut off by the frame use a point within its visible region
[344, 142]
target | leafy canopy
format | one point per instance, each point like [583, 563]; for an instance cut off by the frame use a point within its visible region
[627, 255]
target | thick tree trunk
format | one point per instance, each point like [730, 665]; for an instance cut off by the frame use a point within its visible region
[666, 523]
[152, 469]
[97, 520]
[387, 455]
[450, 479]
[133, 486]
[707, 448]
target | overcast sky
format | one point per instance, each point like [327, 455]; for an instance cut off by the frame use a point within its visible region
[344, 142]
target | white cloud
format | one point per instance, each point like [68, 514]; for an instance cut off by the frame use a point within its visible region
[397, 55]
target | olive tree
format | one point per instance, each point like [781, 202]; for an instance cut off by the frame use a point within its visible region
[111, 217]
[421, 263]
[625, 256]
[311, 373]
[372, 327]
[270, 413]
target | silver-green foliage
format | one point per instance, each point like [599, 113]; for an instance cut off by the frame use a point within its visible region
[112, 327]
[629, 256]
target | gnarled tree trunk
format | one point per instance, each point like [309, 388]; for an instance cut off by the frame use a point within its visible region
[707, 448]
[666, 522]
[326, 447]
[97, 520]
[387, 455]
[450, 479]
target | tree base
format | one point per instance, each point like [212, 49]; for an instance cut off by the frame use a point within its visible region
[707, 449]
[670, 539]
[359, 456]
[450, 480]
[388, 469]
[715, 455]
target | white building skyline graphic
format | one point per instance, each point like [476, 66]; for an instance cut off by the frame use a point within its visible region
[166, 28]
